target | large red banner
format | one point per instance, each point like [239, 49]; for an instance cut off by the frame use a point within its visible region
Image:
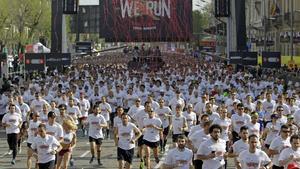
[145, 20]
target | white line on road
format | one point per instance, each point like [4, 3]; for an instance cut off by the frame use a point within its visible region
[162, 159]
[85, 153]
[3, 154]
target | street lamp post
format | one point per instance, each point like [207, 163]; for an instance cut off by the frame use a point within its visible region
[292, 30]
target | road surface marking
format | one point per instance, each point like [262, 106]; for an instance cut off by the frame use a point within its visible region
[3, 154]
[85, 153]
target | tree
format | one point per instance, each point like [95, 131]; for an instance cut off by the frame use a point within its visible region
[23, 22]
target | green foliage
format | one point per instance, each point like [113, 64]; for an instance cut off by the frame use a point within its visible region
[24, 21]
[201, 21]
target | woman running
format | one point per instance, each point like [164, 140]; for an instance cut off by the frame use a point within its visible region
[68, 143]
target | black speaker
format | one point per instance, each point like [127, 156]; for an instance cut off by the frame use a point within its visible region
[70, 6]
[222, 8]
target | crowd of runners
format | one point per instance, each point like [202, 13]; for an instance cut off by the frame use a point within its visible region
[204, 111]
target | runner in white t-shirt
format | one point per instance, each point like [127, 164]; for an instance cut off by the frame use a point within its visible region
[179, 124]
[240, 145]
[271, 131]
[12, 122]
[105, 112]
[85, 106]
[213, 150]
[96, 123]
[253, 157]
[126, 134]
[32, 133]
[46, 146]
[254, 126]
[135, 108]
[53, 128]
[152, 133]
[191, 118]
[179, 157]
[291, 154]
[73, 111]
[238, 120]
[165, 114]
[279, 144]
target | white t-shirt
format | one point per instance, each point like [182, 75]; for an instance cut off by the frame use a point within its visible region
[240, 146]
[209, 146]
[126, 134]
[24, 110]
[44, 147]
[175, 156]
[84, 107]
[273, 132]
[14, 120]
[152, 134]
[37, 105]
[105, 110]
[269, 106]
[253, 160]
[254, 128]
[239, 121]
[44, 117]
[195, 129]
[178, 124]
[134, 109]
[279, 144]
[190, 119]
[95, 131]
[55, 130]
[162, 114]
[198, 137]
[139, 118]
[32, 130]
[286, 153]
[74, 112]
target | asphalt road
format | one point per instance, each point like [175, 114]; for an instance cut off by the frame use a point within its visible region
[81, 154]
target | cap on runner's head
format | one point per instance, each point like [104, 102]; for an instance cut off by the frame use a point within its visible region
[274, 116]
[290, 116]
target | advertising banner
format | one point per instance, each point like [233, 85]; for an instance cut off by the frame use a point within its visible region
[35, 61]
[271, 59]
[145, 20]
[58, 60]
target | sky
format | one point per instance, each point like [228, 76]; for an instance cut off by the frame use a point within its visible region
[202, 4]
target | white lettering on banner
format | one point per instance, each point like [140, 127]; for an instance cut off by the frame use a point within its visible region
[150, 8]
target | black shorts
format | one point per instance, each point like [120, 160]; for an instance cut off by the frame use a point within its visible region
[48, 165]
[29, 145]
[151, 144]
[174, 137]
[186, 133]
[267, 146]
[98, 141]
[125, 155]
[140, 141]
[1, 117]
[166, 131]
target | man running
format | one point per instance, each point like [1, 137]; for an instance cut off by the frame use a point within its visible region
[96, 123]
[12, 122]
[46, 146]
[126, 134]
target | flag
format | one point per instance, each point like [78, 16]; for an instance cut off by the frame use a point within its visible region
[275, 10]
